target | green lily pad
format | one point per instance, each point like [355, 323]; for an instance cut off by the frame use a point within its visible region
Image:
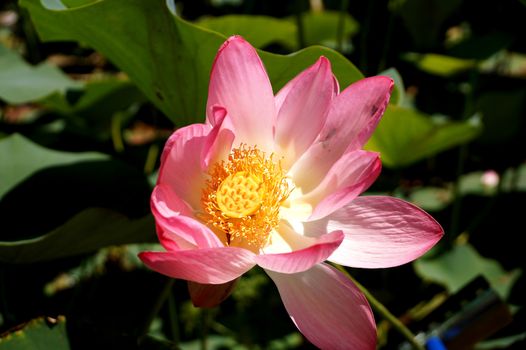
[21, 157]
[258, 30]
[38, 334]
[86, 232]
[460, 265]
[440, 64]
[398, 93]
[168, 58]
[322, 27]
[21, 83]
[431, 198]
[405, 136]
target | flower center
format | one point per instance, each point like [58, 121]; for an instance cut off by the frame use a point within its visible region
[239, 195]
[243, 196]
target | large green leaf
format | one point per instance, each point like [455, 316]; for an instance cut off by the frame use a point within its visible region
[168, 58]
[38, 334]
[86, 232]
[93, 110]
[460, 265]
[318, 28]
[258, 30]
[405, 135]
[21, 82]
[283, 68]
[322, 27]
[21, 157]
[431, 198]
[101, 97]
[474, 183]
[161, 55]
[398, 93]
[440, 64]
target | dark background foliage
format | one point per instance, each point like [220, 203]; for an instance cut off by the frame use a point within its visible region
[78, 162]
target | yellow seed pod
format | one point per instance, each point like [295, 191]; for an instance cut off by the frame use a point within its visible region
[239, 195]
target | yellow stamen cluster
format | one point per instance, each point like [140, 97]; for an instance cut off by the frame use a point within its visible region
[243, 195]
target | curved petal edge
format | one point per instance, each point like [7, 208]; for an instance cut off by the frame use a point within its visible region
[303, 259]
[327, 308]
[381, 232]
[205, 265]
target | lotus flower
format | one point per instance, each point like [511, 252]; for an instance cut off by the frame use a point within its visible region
[274, 181]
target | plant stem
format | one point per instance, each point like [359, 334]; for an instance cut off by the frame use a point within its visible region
[116, 134]
[299, 23]
[172, 314]
[204, 329]
[457, 202]
[469, 107]
[382, 310]
[341, 24]
[165, 292]
[31, 38]
[151, 159]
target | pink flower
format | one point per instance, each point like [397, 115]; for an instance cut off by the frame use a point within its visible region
[490, 179]
[274, 181]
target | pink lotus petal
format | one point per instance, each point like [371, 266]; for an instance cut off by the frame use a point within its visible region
[240, 83]
[181, 163]
[303, 104]
[190, 230]
[171, 241]
[219, 141]
[350, 176]
[336, 85]
[327, 308]
[210, 295]
[182, 135]
[282, 94]
[181, 224]
[205, 265]
[167, 202]
[303, 259]
[380, 232]
[353, 116]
